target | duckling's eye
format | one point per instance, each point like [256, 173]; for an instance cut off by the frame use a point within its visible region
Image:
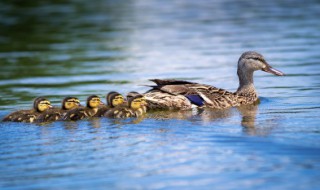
[118, 98]
[46, 102]
[137, 101]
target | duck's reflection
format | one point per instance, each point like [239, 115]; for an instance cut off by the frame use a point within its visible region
[248, 113]
[207, 116]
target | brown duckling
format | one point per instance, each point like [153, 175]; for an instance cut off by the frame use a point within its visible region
[55, 114]
[136, 108]
[40, 105]
[93, 102]
[113, 100]
[143, 99]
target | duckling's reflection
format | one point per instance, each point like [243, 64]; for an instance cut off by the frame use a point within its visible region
[178, 114]
[70, 125]
[121, 121]
[95, 122]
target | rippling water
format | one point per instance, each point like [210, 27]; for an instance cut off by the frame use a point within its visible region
[61, 48]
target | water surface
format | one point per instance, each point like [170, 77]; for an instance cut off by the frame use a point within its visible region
[79, 48]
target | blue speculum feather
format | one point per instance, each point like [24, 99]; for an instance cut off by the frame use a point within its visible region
[195, 99]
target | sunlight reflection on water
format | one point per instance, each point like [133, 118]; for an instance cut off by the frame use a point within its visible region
[56, 49]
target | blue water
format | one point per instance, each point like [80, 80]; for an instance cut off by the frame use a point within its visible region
[79, 48]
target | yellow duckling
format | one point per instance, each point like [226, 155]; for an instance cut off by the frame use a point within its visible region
[55, 114]
[143, 99]
[93, 102]
[40, 105]
[136, 108]
[114, 99]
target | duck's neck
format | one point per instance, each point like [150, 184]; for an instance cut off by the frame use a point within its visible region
[245, 82]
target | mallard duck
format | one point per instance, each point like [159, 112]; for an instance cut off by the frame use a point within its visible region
[113, 99]
[55, 114]
[40, 105]
[136, 107]
[93, 102]
[181, 95]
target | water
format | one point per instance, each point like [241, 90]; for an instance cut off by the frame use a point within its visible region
[61, 48]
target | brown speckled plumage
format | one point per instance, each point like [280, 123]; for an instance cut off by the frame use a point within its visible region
[126, 111]
[84, 112]
[28, 116]
[175, 94]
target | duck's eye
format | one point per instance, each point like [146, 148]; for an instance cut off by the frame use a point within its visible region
[257, 59]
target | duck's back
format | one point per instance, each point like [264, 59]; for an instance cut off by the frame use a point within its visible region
[53, 114]
[28, 116]
[76, 114]
[174, 94]
[119, 112]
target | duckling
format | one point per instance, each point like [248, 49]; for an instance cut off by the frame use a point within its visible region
[183, 95]
[55, 114]
[113, 99]
[143, 99]
[93, 102]
[40, 105]
[136, 108]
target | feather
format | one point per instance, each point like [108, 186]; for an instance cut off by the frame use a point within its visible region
[195, 99]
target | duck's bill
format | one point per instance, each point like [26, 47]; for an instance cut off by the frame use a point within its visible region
[273, 71]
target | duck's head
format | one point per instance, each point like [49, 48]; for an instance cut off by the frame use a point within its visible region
[251, 61]
[137, 102]
[69, 103]
[114, 99]
[41, 104]
[93, 101]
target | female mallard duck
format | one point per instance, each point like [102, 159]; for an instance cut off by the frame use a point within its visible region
[55, 114]
[93, 102]
[113, 99]
[40, 105]
[136, 107]
[175, 94]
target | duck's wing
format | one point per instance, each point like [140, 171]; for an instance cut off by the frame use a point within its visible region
[119, 112]
[160, 82]
[212, 97]
[196, 94]
[75, 114]
[15, 115]
[53, 114]
[28, 116]
[101, 111]
[21, 116]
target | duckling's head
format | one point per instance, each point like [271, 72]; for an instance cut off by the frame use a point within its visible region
[132, 94]
[41, 104]
[69, 103]
[114, 99]
[137, 102]
[93, 101]
[251, 61]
